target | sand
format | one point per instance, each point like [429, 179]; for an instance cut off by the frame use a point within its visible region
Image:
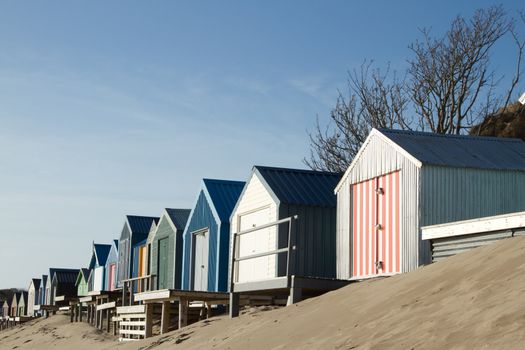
[475, 300]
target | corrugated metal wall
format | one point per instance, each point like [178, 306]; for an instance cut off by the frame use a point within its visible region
[379, 158]
[124, 256]
[200, 218]
[315, 239]
[453, 194]
[445, 247]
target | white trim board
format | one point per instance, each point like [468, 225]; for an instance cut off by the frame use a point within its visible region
[466, 227]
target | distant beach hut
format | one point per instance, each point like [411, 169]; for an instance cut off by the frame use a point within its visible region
[135, 231]
[402, 180]
[14, 304]
[263, 260]
[206, 237]
[165, 243]
[97, 265]
[6, 307]
[43, 286]
[33, 296]
[81, 282]
[22, 304]
[111, 267]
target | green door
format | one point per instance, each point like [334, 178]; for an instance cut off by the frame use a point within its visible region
[163, 263]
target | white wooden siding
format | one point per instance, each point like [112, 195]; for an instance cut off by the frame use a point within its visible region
[255, 198]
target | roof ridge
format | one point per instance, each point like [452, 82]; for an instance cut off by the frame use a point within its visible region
[305, 171]
[437, 135]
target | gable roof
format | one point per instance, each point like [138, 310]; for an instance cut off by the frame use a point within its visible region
[43, 281]
[64, 275]
[463, 151]
[178, 217]
[300, 187]
[457, 151]
[140, 224]
[36, 283]
[223, 195]
[101, 252]
[85, 273]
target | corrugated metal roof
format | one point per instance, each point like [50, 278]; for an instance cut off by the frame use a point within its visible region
[115, 242]
[85, 273]
[102, 252]
[301, 187]
[463, 151]
[36, 283]
[140, 224]
[64, 275]
[179, 217]
[224, 195]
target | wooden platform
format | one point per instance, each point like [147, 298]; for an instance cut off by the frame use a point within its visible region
[294, 288]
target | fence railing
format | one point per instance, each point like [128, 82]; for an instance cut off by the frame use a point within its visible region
[143, 284]
[236, 259]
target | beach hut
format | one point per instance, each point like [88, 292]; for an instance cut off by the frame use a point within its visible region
[206, 236]
[43, 286]
[149, 241]
[6, 307]
[22, 304]
[33, 296]
[135, 231]
[165, 248]
[111, 267]
[62, 284]
[14, 304]
[272, 194]
[97, 266]
[140, 263]
[81, 282]
[402, 180]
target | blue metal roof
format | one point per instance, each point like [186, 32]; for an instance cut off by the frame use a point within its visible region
[63, 275]
[102, 252]
[140, 224]
[115, 242]
[36, 283]
[179, 217]
[301, 187]
[85, 273]
[66, 275]
[463, 151]
[224, 195]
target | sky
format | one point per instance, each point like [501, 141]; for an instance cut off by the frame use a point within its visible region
[109, 108]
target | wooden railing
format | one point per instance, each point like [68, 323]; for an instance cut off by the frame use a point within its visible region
[143, 284]
[235, 259]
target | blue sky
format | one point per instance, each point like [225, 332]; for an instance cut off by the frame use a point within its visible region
[110, 108]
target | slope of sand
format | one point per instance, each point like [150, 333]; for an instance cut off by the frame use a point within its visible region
[475, 300]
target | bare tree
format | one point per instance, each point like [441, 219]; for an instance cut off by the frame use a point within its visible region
[450, 77]
[374, 101]
[449, 86]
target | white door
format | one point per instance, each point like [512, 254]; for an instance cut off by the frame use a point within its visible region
[200, 261]
[98, 283]
[259, 241]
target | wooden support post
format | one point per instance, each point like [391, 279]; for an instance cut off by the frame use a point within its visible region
[77, 311]
[131, 293]
[80, 312]
[72, 313]
[296, 295]
[234, 304]
[183, 312]
[149, 320]
[208, 310]
[165, 317]
[108, 321]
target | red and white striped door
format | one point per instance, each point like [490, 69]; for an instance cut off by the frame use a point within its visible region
[375, 227]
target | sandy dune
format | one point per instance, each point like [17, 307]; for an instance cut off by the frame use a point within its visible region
[475, 300]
